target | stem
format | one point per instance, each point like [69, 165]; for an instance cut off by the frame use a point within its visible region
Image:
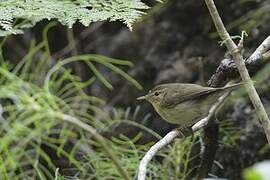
[239, 61]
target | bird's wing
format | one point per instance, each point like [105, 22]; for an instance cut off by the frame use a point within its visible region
[184, 93]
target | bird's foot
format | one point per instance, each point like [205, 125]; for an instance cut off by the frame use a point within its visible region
[185, 131]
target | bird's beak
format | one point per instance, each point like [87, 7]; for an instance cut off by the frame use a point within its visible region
[141, 98]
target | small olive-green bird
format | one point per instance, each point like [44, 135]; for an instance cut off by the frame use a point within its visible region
[184, 104]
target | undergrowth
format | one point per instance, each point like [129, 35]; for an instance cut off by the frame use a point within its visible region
[51, 129]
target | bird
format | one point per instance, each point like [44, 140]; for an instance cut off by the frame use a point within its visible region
[184, 103]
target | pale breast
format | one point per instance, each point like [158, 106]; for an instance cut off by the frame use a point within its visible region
[184, 114]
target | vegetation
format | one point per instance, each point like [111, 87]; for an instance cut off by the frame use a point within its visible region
[51, 127]
[35, 136]
[19, 14]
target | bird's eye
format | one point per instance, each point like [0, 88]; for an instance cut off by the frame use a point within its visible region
[156, 93]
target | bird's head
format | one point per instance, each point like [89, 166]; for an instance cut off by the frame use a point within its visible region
[155, 95]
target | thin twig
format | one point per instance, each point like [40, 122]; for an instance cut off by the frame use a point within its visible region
[239, 61]
[172, 135]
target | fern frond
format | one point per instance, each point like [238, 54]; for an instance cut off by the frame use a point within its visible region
[67, 12]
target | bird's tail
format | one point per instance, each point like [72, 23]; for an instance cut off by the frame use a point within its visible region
[234, 86]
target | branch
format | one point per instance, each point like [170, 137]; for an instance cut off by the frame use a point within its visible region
[174, 134]
[228, 69]
[265, 46]
[239, 61]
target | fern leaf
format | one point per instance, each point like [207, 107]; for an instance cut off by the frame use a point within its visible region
[67, 12]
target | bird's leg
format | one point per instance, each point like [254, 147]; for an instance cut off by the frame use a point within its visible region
[185, 131]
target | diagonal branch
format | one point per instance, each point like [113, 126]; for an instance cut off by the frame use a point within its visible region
[239, 61]
[228, 70]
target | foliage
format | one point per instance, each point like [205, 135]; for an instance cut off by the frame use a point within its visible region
[100, 166]
[35, 95]
[31, 132]
[175, 163]
[37, 142]
[18, 14]
[230, 133]
[33, 104]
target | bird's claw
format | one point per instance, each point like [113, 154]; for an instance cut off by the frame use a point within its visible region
[185, 131]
